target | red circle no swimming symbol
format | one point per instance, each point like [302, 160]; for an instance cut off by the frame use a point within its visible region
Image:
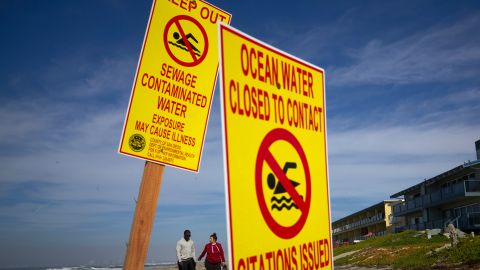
[183, 40]
[264, 155]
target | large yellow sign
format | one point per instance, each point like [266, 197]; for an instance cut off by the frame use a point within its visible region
[173, 88]
[273, 107]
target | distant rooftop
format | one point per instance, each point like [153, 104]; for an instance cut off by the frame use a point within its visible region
[437, 178]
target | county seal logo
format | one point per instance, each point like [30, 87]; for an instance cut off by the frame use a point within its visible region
[136, 142]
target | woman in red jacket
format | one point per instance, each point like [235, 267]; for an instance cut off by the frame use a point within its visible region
[215, 258]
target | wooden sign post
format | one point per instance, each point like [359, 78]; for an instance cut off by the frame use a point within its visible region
[137, 246]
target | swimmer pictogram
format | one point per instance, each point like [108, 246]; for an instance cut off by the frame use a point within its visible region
[180, 43]
[185, 40]
[285, 202]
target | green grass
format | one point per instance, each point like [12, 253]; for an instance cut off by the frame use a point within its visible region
[467, 250]
[393, 240]
[410, 250]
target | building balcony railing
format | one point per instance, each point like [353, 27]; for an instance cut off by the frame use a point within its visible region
[360, 223]
[470, 221]
[462, 189]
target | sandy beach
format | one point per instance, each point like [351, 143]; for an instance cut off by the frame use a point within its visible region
[200, 266]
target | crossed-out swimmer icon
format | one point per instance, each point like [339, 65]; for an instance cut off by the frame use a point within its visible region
[278, 188]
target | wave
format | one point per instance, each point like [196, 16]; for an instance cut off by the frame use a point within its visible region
[281, 199]
[110, 267]
[87, 268]
[183, 48]
[148, 266]
[284, 205]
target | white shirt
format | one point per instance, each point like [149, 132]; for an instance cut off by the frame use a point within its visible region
[185, 249]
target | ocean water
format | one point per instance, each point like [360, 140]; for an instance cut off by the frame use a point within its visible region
[110, 267]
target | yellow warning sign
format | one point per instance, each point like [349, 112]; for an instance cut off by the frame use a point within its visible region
[174, 83]
[273, 107]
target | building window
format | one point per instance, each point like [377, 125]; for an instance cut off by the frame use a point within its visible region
[472, 186]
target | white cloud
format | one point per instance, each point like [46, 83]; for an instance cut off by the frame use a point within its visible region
[380, 161]
[66, 143]
[406, 140]
[81, 75]
[438, 54]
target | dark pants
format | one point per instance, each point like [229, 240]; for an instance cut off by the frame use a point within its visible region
[188, 264]
[213, 266]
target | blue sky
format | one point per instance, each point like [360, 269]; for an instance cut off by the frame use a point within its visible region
[403, 104]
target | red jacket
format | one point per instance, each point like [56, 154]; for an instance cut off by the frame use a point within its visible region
[214, 253]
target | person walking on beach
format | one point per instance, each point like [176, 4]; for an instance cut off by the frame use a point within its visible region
[186, 252]
[215, 257]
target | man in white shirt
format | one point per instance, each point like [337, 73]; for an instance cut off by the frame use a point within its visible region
[186, 252]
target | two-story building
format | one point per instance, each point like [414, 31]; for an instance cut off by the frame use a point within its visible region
[371, 221]
[450, 197]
